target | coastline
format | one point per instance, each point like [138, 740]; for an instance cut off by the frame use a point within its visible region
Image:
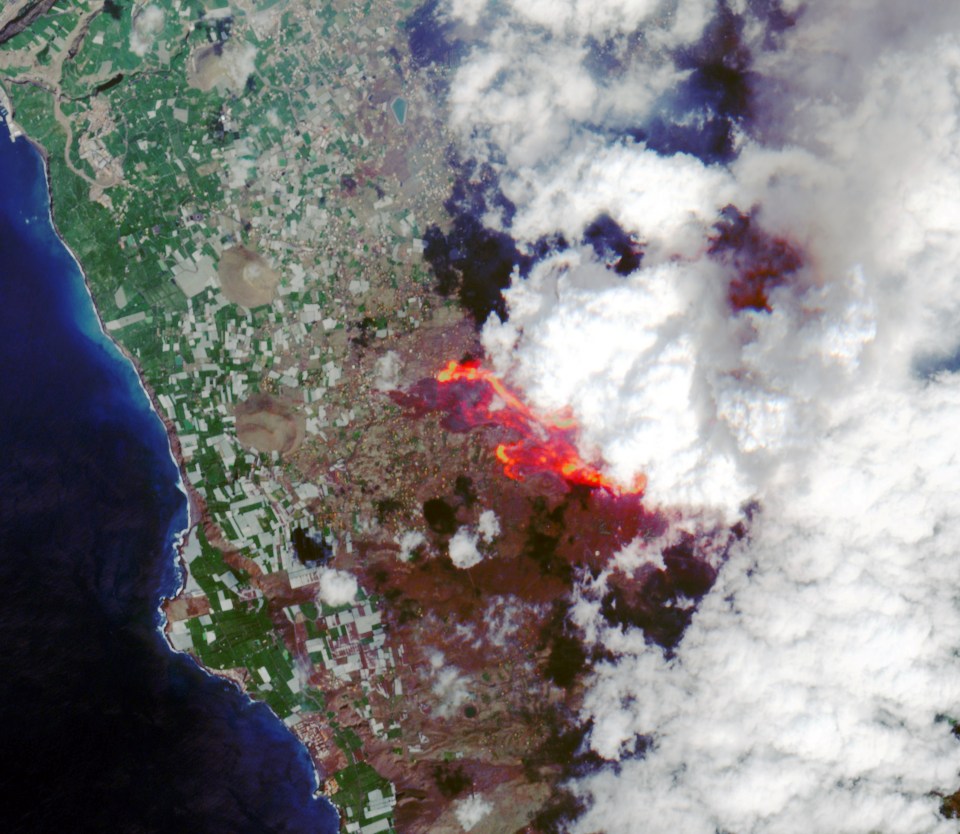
[6, 113]
[195, 504]
[173, 442]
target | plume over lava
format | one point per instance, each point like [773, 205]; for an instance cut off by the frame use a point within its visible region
[474, 396]
[761, 262]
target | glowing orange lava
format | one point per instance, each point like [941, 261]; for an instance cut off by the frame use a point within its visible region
[546, 444]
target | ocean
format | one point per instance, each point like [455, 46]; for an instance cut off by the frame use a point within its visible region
[104, 728]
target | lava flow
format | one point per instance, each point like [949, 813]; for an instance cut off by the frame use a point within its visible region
[546, 444]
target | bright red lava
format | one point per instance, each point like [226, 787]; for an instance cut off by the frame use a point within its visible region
[546, 443]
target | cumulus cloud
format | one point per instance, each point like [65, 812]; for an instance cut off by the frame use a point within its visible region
[535, 78]
[386, 372]
[623, 353]
[409, 542]
[337, 587]
[606, 18]
[237, 64]
[471, 811]
[465, 11]
[503, 619]
[147, 22]
[669, 202]
[811, 689]
[449, 685]
[463, 549]
[488, 526]
[639, 552]
[529, 120]
[241, 159]
[807, 690]
[223, 67]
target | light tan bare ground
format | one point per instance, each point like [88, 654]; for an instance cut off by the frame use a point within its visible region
[267, 424]
[246, 278]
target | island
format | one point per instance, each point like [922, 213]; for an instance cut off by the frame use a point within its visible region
[266, 203]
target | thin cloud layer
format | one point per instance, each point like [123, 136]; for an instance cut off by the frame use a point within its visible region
[817, 684]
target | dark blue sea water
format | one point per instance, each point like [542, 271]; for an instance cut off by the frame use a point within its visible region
[103, 728]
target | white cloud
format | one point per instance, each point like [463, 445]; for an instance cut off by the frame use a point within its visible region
[409, 542]
[465, 11]
[463, 549]
[805, 694]
[471, 811]
[664, 20]
[225, 68]
[237, 64]
[529, 91]
[669, 202]
[386, 371]
[337, 587]
[241, 159]
[147, 22]
[488, 526]
[503, 619]
[638, 360]
[450, 686]
[662, 378]
[588, 17]
[530, 121]
[639, 552]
